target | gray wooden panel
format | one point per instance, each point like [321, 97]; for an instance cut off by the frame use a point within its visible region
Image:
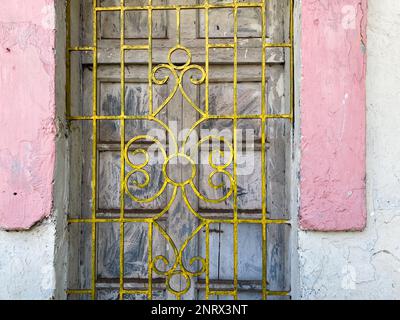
[135, 251]
[136, 22]
[225, 252]
[278, 159]
[81, 85]
[242, 295]
[113, 295]
[87, 153]
[109, 184]
[108, 251]
[81, 29]
[278, 257]
[79, 256]
[276, 91]
[248, 181]
[76, 157]
[277, 20]
[222, 23]
[136, 104]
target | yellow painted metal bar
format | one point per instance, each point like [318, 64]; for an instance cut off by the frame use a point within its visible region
[137, 47]
[277, 45]
[150, 62]
[235, 148]
[207, 62]
[208, 260]
[150, 260]
[134, 292]
[94, 153]
[150, 71]
[221, 46]
[80, 49]
[148, 220]
[278, 293]
[209, 117]
[263, 154]
[183, 7]
[115, 8]
[223, 293]
[99, 220]
[178, 26]
[211, 45]
[122, 154]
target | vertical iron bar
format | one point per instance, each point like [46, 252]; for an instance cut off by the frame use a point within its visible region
[94, 153]
[178, 26]
[150, 44]
[207, 260]
[207, 62]
[263, 153]
[207, 92]
[235, 150]
[150, 260]
[122, 156]
[150, 70]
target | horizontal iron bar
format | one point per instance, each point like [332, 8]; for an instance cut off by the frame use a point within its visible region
[209, 117]
[149, 220]
[181, 7]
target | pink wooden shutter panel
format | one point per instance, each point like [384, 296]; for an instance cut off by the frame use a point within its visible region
[27, 108]
[333, 108]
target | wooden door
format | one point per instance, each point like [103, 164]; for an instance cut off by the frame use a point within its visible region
[180, 146]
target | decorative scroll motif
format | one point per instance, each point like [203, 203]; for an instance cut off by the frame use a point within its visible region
[178, 268]
[135, 175]
[178, 72]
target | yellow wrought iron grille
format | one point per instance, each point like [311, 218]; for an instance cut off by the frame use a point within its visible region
[177, 71]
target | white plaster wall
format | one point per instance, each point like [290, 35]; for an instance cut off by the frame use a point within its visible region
[26, 263]
[366, 265]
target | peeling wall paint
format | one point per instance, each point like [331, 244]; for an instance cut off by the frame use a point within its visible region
[27, 263]
[366, 265]
[27, 109]
[27, 150]
[332, 168]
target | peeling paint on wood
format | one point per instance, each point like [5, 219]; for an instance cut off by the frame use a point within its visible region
[333, 105]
